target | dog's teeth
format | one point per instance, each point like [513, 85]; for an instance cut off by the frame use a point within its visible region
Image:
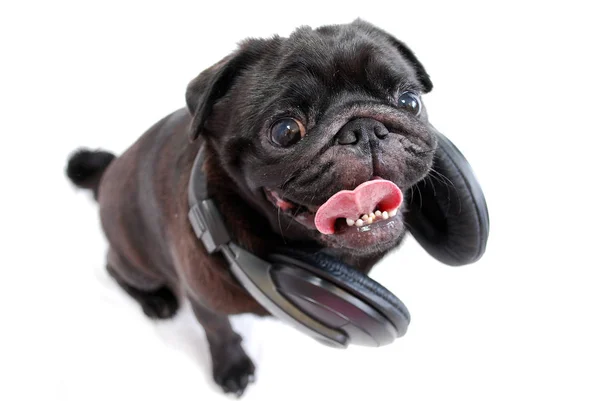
[385, 215]
[365, 217]
[377, 213]
[350, 222]
[392, 213]
[372, 215]
[359, 223]
[370, 220]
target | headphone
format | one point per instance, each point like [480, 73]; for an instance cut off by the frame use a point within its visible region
[328, 299]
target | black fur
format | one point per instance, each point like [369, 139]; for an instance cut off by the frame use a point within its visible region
[327, 79]
[323, 78]
[85, 168]
[160, 303]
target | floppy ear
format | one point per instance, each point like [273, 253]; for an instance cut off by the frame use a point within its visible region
[213, 83]
[447, 213]
[422, 75]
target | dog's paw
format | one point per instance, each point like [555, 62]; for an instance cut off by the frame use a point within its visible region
[159, 304]
[234, 374]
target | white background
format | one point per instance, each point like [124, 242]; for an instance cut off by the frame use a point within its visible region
[516, 88]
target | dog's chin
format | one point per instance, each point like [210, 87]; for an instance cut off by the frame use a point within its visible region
[383, 232]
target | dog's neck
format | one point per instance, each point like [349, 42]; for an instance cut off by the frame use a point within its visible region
[247, 226]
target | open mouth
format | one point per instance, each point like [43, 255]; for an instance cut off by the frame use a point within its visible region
[373, 204]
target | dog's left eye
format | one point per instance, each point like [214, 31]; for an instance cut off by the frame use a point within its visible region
[287, 132]
[410, 101]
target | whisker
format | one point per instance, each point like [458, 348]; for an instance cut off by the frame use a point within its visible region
[279, 221]
[445, 180]
[293, 217]
[442, 178]
[432, 184]
[288, 180]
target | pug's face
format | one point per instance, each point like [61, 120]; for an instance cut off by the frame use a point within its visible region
[323, 132]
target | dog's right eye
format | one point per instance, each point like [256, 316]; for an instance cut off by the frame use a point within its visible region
[410, 101]
[287, 132]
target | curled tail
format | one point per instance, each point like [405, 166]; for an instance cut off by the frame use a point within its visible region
[85, 168]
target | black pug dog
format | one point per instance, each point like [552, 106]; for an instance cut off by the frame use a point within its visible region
[286, 124]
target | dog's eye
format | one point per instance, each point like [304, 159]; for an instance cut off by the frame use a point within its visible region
[410, 101]
[287, 132]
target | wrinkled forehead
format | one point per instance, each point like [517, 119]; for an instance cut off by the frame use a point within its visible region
[309, 74]
[315, 66]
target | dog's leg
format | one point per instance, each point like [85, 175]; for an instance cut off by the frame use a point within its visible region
[232, 368]
[156, 299]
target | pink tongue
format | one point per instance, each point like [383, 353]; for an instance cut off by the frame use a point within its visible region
[362, 200]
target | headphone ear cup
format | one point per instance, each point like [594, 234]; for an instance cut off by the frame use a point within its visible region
[360, 285]
[447, 212]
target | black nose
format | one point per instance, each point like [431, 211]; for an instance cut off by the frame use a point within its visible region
[360, 128]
